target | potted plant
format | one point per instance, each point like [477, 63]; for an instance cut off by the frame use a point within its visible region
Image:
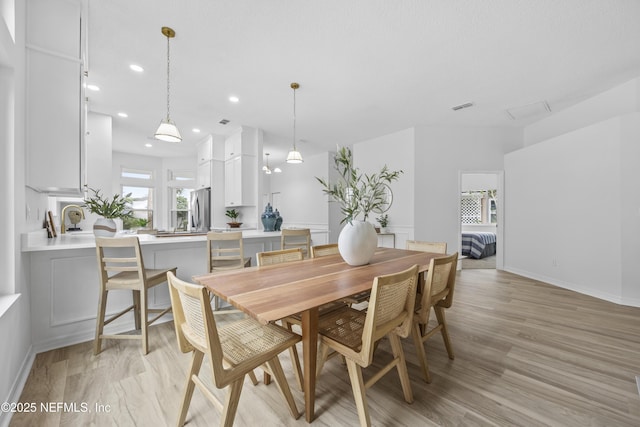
[359, 195]
[117, 206]
[383, 220]
[233, 215]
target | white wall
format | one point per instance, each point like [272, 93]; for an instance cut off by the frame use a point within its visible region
[302, 203]
[396, 151]
[479, 181]
[441, 153]
[99, 155]
[563, 208]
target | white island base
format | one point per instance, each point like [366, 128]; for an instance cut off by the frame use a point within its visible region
[64, 280]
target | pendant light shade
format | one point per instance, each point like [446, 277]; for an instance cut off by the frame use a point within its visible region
[294, 155]
[168, 131]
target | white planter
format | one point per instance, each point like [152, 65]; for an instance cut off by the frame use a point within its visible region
[357, 242]
[104, 227]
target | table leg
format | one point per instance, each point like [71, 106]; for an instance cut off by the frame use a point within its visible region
[310, 354]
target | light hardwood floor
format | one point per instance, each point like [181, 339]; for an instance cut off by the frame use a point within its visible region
[527, 354]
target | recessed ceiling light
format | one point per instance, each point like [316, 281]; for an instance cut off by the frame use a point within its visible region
[234, 99]
[93, 88]
[136, 68]
[195, 130]
[148, 145]
[123, 115]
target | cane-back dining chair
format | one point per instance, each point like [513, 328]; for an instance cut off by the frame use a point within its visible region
[234, 350]
[354, 334]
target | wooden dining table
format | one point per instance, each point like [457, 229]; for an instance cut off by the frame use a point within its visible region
[273, 292]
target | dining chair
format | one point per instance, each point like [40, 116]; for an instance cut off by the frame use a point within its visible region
[354, 334]
[279, 257]
[435, 247]
[225, 251]
[437, 293]
[234, 350]
[296, 238]
[121, 267]
[324, 250]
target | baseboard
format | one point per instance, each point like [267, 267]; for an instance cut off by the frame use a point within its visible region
[616, 299]
[18, 386]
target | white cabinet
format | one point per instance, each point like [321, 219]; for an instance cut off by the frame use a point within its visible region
[205, 150]
[239, 181]
[241, 143]
[55, 98]
[203, 175]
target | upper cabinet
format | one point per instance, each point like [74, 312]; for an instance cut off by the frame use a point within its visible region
[205, 149]
[240, 183]
[56, 108]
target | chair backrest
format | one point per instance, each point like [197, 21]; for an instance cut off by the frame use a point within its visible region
[296, 238]
[277, 257]
[120, 255]
[225, 251]
[195, 325]
[324, 250]
[434, 247]
[438, 285]
[390, 308]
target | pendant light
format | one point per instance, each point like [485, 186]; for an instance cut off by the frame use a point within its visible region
[294, 155]
[267, 169]
[167, 131]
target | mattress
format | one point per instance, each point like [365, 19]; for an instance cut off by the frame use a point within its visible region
[478, 244]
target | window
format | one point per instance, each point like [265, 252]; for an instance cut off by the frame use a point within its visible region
[140, 184]
[180, 187]
[478, 207]
[141, 206]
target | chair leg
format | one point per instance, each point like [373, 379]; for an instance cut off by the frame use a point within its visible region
[422, 356]
[144, 316]
[231, 402]
[136, 308]
[295, 359]
[196, 362]
[102, 308]
[323, 355]
[252, 377]
[398, 353]
[445, 332]
[283, 385]
[359, 392]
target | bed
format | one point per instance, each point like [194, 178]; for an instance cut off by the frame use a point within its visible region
[478, 244]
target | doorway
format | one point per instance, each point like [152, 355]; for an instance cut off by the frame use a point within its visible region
[481, 211]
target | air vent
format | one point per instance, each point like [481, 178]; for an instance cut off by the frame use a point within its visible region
[462, 106]
[223, 121]
[528, 111]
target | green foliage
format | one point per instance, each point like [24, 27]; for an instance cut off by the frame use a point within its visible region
[129, 223]
[357, 192]
[116, 207]
[383, 220]
[233, 214]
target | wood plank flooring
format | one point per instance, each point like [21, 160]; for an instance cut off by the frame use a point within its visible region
[527, 354]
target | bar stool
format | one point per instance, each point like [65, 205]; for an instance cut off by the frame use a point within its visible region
[225, 251]
[121, 268]
[296, 238]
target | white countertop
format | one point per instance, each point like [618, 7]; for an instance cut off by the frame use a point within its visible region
[38, 241]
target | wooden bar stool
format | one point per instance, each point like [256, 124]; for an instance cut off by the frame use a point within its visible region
[225, 251]
[121, 268]
[291, 238]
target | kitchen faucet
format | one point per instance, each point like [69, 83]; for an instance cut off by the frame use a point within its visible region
[64, 212]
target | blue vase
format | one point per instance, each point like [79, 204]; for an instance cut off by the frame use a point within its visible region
[268, 218]
[278, 220]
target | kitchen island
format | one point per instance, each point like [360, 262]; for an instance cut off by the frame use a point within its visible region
[63, 278]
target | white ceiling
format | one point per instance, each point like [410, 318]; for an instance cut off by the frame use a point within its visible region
[365, 67]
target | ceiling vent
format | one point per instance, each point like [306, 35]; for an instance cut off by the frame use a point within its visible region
[462, 106]
[223, 121]
[529, 111]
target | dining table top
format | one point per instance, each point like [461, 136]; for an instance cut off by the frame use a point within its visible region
[273, 292]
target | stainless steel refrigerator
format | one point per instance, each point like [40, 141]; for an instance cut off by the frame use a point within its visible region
[201, 209]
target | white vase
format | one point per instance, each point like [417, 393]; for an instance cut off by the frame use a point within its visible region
[104, 227]
[357, 242]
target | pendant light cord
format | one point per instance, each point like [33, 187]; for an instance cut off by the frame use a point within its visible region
[168, 78]
[294, 120]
